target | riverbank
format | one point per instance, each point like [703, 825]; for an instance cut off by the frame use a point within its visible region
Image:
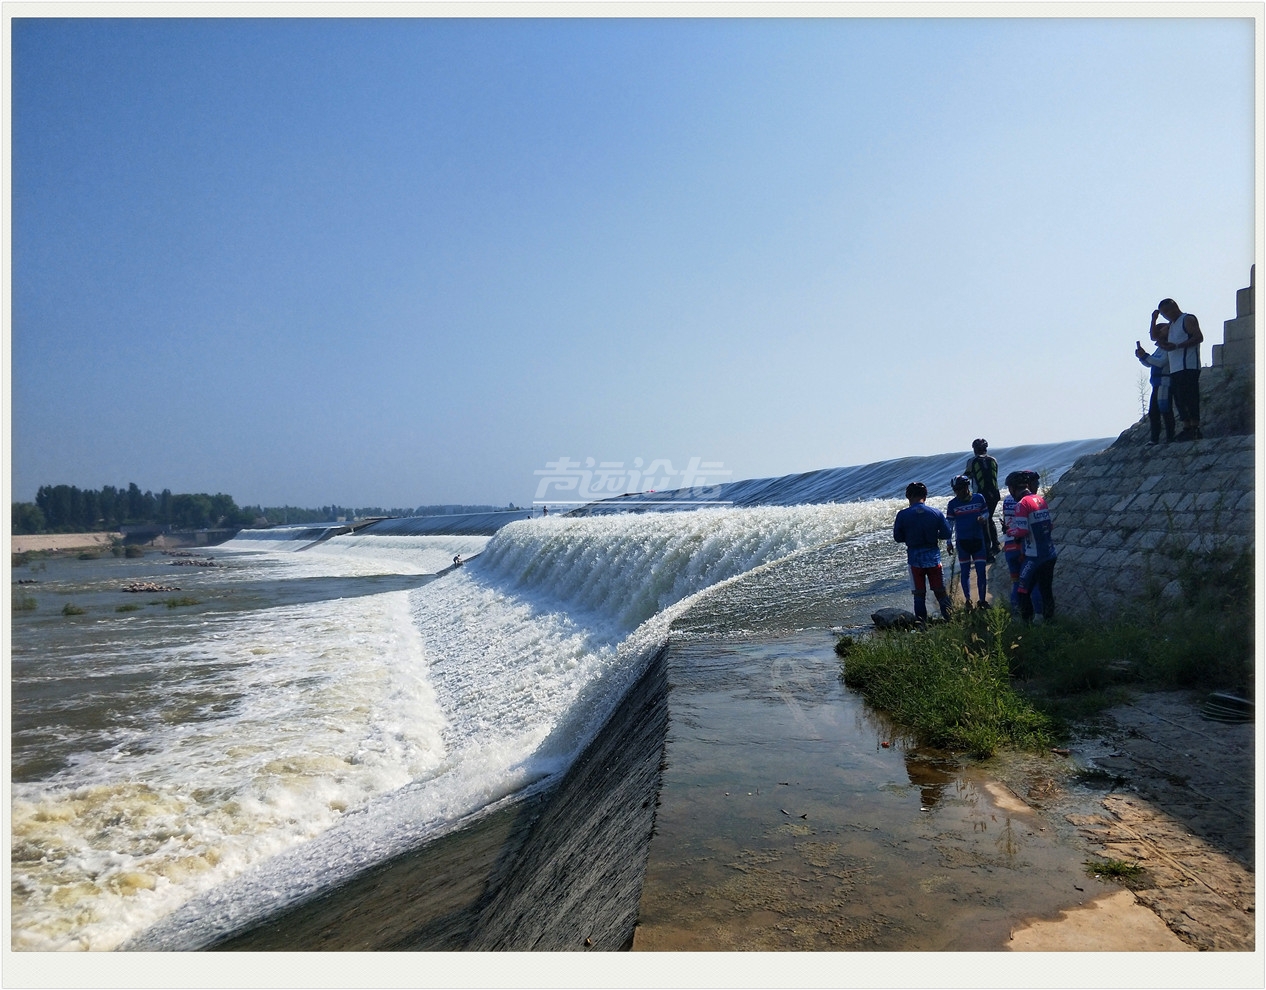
[61, 542]
[792, 818]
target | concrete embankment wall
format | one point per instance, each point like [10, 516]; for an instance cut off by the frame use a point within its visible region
[1130, 521]
[1135, 522]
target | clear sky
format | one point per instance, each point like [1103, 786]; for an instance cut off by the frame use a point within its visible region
[410, 261]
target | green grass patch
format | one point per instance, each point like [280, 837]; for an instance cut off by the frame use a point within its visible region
[129, 607]
[950, 684]
[1116, 869]
[24, 602]
[71, 609]
[984, 681]
[178, 602]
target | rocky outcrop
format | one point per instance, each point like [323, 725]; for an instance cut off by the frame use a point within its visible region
[1136, 522]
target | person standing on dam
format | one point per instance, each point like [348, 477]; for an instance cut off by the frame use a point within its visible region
[1159, 409]
[1183, 337]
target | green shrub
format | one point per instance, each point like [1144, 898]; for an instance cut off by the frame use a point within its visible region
[70, 609]
[129, 607]
[178, 602]
[133, 550]
[23, 602]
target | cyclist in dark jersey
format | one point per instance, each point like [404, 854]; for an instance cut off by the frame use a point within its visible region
[983, 471]
[966, 513]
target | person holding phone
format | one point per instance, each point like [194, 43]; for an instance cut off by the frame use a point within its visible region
[1159, 409]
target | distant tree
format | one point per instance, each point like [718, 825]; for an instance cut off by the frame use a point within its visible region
[192, 511]
[135, 503]
[27, 519]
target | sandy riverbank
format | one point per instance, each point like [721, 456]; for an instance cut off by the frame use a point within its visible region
[61, 541]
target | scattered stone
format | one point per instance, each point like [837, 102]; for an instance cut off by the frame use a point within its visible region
[148, 586]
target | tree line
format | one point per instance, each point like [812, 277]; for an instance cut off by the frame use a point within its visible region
[69, 509]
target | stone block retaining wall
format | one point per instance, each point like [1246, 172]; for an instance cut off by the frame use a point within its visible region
[1129, 519]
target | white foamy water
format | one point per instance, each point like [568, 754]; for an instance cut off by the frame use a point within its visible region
[357, 727]
[332, 707]
[358, 555]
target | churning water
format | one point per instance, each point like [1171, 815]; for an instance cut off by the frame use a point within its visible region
[202, 757]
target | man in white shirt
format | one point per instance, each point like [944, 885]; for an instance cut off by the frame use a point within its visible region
[1182, 340]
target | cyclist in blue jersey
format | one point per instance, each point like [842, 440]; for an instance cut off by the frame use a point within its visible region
[968, 513]
[1032, 525]
[921, 528]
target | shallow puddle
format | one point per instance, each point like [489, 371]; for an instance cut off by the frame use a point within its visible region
[790, 818]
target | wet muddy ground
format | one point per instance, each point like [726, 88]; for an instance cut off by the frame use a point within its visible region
[792, 818]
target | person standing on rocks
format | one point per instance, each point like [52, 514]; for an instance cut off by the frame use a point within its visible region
[1032, 527]
[921, 528]
[983, 472]
[1159, 408]
[1182, 341]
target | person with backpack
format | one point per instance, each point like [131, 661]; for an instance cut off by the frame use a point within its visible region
[983, 472]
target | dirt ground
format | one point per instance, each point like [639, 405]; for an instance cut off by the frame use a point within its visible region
[1179, 801]
[60, 541]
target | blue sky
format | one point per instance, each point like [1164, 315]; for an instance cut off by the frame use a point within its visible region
[410, 261]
